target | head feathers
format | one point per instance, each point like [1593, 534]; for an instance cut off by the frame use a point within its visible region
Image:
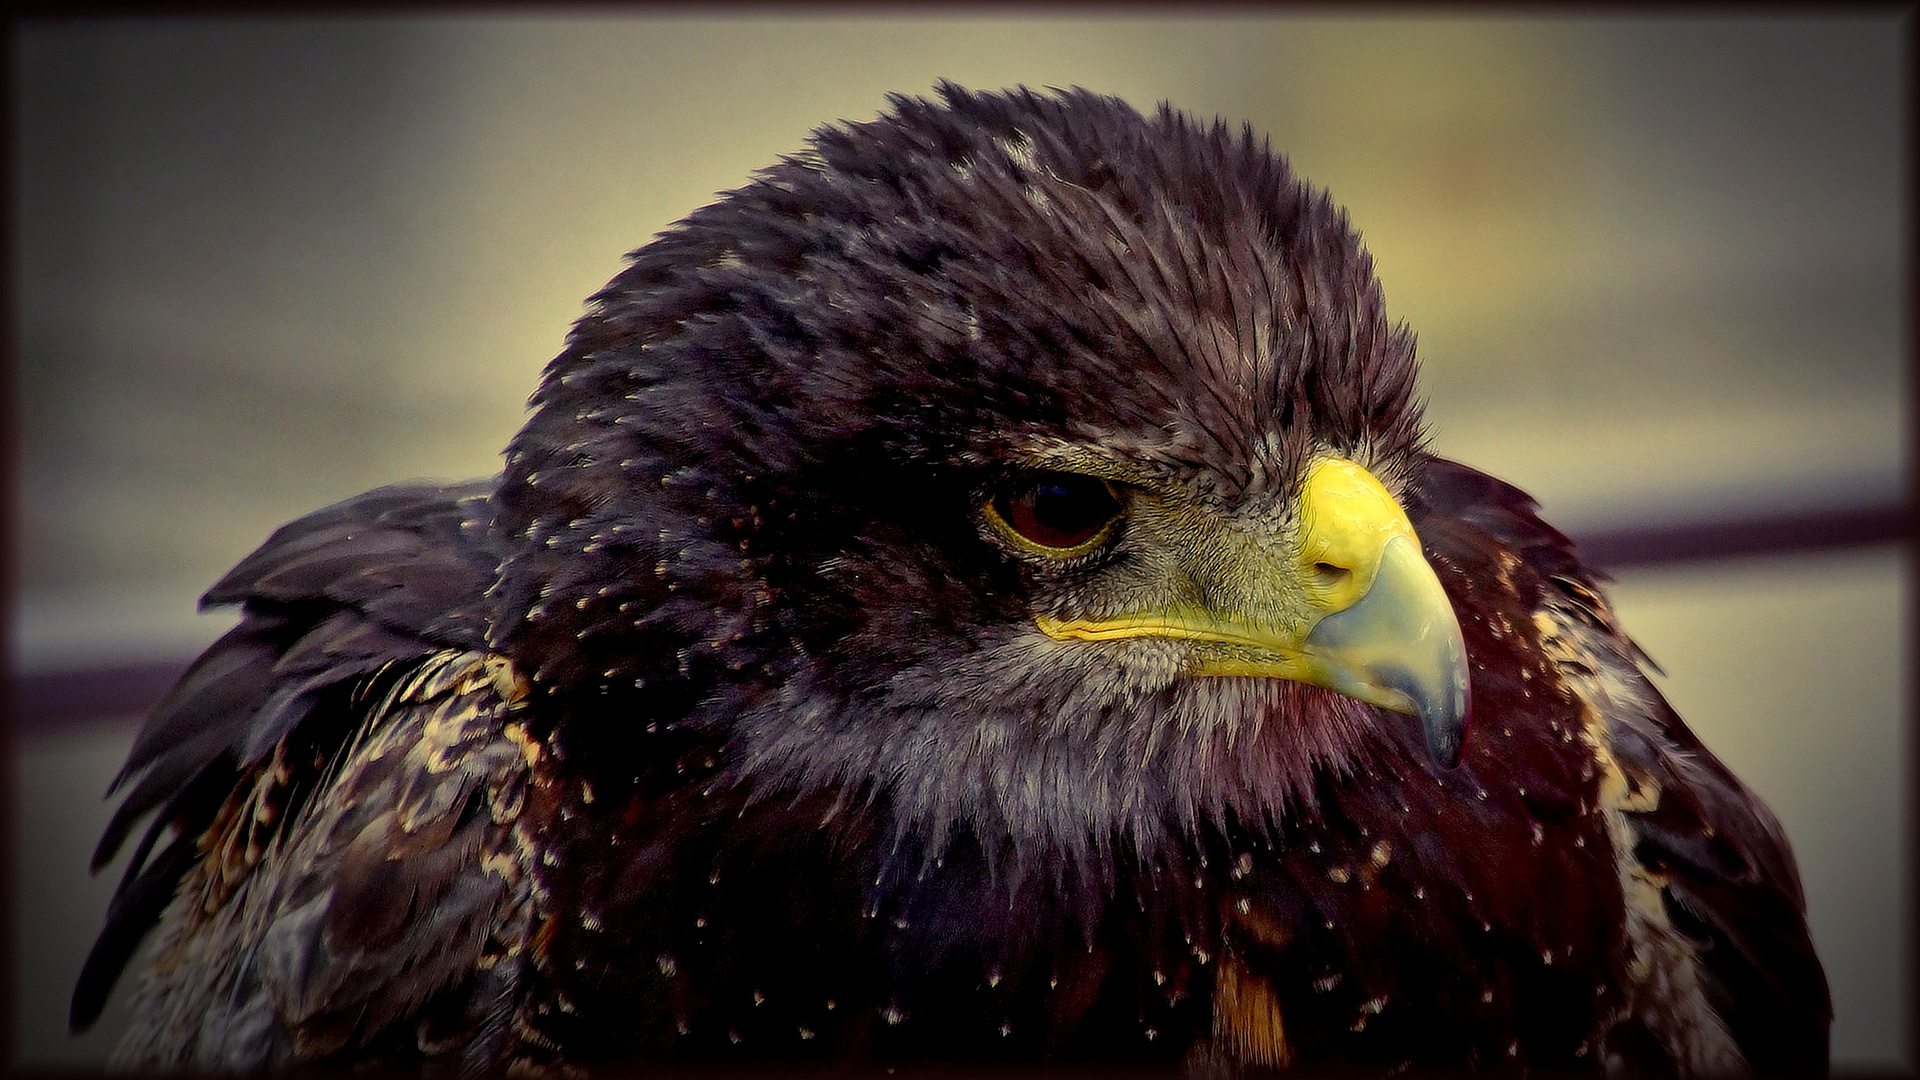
[756, 464]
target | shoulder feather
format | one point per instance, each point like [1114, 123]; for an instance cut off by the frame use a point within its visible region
[328, 603]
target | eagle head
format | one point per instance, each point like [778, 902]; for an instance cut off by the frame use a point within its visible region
[1021, 460]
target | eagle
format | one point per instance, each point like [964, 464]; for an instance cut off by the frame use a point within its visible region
[977, 593]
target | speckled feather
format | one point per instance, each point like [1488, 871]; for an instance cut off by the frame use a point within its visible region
[719, 728]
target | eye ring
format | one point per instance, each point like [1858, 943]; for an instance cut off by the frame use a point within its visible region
[1056, 514]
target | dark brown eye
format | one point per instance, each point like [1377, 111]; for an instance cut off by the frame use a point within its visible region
[1058, 510]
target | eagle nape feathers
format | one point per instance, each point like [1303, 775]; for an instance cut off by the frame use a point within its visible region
[977, 593]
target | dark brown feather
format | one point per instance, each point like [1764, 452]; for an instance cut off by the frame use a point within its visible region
[296, 659]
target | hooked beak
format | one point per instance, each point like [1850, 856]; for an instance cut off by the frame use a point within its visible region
[1347, 602]
[1400, 648]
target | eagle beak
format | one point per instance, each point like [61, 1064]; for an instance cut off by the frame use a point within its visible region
[1399, 647]
[1383, 629]
[1345, 601]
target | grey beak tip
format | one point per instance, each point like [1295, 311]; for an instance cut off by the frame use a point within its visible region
[1446, 730]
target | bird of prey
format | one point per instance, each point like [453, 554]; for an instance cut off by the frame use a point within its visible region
[976, 593]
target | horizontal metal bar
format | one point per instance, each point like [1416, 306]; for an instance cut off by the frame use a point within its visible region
[1773, 534]
[43, 701]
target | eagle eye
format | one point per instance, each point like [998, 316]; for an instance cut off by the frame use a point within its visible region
[1057, 512]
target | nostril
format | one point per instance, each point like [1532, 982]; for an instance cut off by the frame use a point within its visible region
[1331, 574]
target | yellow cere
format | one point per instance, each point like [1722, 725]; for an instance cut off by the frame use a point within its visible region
[1346, 518]
[1343, 598]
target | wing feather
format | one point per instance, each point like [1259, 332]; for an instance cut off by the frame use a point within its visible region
[329, 604]
[1728, 902]
[384, 895]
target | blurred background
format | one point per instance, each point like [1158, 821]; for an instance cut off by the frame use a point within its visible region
[1655, 265]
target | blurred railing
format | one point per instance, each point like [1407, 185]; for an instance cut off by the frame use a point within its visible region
[1638, 545]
